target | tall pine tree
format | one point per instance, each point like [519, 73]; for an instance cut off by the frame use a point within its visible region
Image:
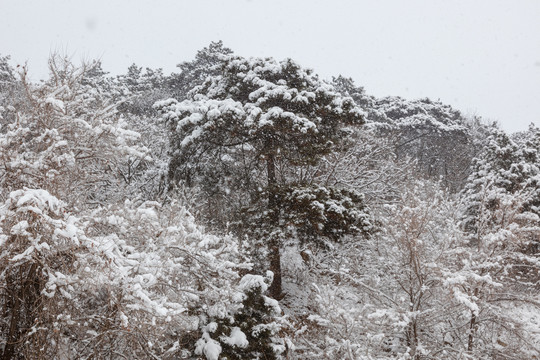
[249, 128]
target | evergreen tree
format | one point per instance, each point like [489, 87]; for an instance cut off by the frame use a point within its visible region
[257, 120]
[11, 92]
[7, 76]
[503, 169]
[248, 332]
[194, 73]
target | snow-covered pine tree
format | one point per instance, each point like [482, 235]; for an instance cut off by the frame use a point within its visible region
[248, 129]
[7, 76]
[502, 225]
[194, 73]
[11, 92]
[249, 330]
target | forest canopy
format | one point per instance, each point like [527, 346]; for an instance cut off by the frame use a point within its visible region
[245, 208]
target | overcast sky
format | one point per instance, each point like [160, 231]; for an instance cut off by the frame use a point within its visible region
[480, 56]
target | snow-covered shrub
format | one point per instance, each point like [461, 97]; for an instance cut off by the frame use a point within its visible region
[249, 330]
[415, 290]
[157, 274]
[41, 246]
[69, 140]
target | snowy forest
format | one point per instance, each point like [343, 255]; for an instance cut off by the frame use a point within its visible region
[246, 208]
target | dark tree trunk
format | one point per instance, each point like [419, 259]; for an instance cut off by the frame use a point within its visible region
[273, 243]
[472, 327]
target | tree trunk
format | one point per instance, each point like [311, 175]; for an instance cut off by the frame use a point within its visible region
[273, 243]
[472, 327]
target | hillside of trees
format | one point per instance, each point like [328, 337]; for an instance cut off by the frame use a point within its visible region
[245, 208]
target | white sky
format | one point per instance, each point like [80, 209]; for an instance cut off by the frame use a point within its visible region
[480, 56]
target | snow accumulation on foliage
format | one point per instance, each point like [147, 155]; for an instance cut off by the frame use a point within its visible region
[244, 208]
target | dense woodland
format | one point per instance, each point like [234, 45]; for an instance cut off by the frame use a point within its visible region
[244, 208]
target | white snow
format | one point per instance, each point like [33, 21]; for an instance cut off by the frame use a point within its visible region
[237, 338]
